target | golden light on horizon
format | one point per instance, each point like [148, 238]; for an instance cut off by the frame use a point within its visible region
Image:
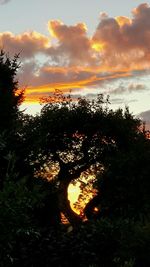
[73, 193]
[34, 93]
[80, 197]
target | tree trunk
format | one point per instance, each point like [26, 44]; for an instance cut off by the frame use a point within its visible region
[64, 204]
[90, 212]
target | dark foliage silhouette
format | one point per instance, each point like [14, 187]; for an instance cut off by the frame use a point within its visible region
[10, 99]
[40, 156]
[76, 136]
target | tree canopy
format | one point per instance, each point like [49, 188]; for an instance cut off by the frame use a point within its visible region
[10, 95]
[41, 155]
[75, 136]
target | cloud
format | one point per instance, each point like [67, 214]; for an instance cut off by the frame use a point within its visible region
[145, 116]
[73, 43]
[27, 44]
[128, 88]
[71, 59]
[47, 78]
[124, 41]
[3, 2]
[117, 101]
[135, 87]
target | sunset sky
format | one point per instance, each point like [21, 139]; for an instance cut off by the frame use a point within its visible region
[89, 47]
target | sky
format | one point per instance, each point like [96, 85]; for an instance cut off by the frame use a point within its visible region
[88, 47]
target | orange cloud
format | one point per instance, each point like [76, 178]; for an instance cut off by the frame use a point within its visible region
[125, 40]
[35, 92]
[73, 43]
[72, 59]
[27, 44]
[122, 21]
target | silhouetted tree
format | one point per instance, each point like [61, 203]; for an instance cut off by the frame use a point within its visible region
[10, 99]
[124, 184]
[10, 95]
[75, 136]
[17, 142]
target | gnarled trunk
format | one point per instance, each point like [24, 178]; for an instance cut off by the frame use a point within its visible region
[90, 211]
[89, 208]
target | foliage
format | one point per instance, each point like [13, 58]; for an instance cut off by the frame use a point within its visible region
[10, 96]
[17, 204]
[24, 215]
[10, 99]
[85, 133]
[105, 243]
[124, 184]
[68, 139]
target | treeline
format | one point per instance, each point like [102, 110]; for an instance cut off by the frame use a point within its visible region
[41, 155]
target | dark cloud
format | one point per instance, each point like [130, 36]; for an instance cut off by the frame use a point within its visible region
[135, 87]
[3, 2]
[145, 116]
[128, 88]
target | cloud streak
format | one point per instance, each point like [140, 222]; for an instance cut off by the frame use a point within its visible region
[128, 88]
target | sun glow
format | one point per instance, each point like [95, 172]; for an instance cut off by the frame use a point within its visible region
[122, 20]
[98, 47]
[34, 93]
[80, 193]
[73, 194]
